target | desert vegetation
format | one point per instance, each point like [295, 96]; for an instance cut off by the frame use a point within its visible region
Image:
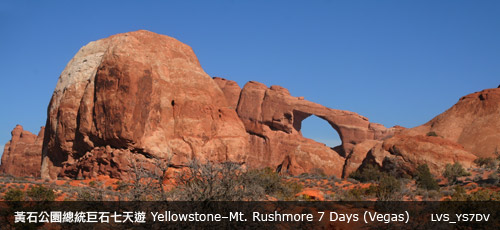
[229, 181]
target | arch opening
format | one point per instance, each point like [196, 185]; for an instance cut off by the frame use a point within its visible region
[321, 131]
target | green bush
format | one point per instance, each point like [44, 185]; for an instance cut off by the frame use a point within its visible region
[432, 134]
[388, 189]
[459, 194]
[486, 162]
[424, 178]
[86, 195]
[14, 194]
[40, 193]
[271, 182]
[484, 195]
[453, 171]
[479, 195]
[367, 174]
[493, 178]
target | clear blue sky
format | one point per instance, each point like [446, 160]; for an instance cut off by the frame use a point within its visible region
[395, 62]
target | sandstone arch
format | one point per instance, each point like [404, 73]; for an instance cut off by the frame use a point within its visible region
[319, 130]
[273, 119]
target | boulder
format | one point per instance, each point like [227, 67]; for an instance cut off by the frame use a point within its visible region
[358, 155]
[22, 154]
[406, 153]
[139, 93]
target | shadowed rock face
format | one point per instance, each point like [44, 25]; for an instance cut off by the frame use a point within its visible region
[144, 95]
[474, 122]
[22, 154]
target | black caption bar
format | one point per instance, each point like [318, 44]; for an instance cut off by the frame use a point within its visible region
[250, 215]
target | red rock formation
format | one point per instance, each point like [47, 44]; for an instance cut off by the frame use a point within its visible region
[141, 93]
[358, 155]
[22, 154]
[473, 122]
[141, 96]
[436, 152]
[273, 119]
[231, 90]
[408, 152]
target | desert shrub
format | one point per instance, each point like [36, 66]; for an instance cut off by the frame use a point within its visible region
[424, 178]
[366, 174]
[40, 193]
[334, 179]
[352, 180]
[447, 192]
[14, 194]
[86, 195]
[477, 178]
[271, 182]
[355, 194]
[388, 188]
[486, 162]
[92, 183]
[432, 134]
[480, 195]
[484, 195]
[459, 194]
[493, 178]
[122, 186]
[452, 172]
[319, 172]
[228, 182]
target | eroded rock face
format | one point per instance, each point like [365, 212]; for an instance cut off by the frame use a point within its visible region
[358, 156]
[231, 91]
[139, 93]
[436, 152]
[22, 154]
[474, 122]
[406, 153]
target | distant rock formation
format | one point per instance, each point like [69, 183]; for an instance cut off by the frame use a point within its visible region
[22, 154]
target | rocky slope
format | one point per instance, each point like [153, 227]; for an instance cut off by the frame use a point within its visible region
[22, 154]
[474, 122]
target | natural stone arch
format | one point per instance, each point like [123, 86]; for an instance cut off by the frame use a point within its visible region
[300, 117]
